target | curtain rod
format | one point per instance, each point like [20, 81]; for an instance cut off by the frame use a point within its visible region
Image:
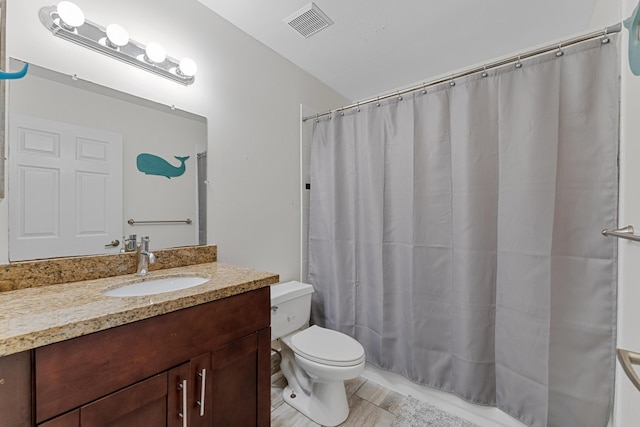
[616, 28]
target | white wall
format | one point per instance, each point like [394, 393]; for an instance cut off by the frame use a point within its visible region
[249, 94]
[306, 138]
[627, 409]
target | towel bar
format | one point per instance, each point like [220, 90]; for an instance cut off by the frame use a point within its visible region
[628, 358]
[186, 221]
[623, 233]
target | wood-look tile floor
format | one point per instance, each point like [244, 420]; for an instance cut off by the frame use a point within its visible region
[370, 404]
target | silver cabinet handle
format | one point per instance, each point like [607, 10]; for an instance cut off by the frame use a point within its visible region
[628, 358]
[183, 414]
[113, 244]
[203, 382]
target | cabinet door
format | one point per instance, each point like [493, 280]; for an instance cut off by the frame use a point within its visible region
[177, 399]
[238, 375]
[15, 390]
[142, 404]
[189, 399]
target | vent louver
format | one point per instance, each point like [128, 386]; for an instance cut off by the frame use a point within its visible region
[308, 20]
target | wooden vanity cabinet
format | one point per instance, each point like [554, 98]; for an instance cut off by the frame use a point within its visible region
[135, 374]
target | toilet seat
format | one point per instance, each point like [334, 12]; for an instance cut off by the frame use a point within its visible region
[328, 347]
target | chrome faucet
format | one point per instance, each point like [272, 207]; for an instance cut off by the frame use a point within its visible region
[145, 258]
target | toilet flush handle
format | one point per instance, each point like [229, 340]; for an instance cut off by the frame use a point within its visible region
[274, 308]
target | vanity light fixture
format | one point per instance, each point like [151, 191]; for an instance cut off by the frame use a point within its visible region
[67, 21]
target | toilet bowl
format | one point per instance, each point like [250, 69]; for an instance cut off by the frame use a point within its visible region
[315, 361]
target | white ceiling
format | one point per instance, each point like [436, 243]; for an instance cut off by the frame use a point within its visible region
[376, 46]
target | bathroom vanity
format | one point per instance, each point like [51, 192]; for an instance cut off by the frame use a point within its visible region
[194, 357]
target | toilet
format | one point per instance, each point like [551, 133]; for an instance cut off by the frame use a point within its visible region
[315, 361]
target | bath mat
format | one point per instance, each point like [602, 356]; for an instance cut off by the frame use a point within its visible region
[412, 413]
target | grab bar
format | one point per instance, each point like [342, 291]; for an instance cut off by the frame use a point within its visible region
[623, 233]
[186, 221]
[628, 358]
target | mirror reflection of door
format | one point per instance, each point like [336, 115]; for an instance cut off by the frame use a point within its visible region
[65, 189]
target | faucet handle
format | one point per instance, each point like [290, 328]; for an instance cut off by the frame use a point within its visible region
[130, 243]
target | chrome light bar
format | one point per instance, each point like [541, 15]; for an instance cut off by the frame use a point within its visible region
[94, 36]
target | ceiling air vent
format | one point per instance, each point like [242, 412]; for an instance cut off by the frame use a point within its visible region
[309, 20]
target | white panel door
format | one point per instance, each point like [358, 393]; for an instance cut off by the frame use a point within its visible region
[65, 189]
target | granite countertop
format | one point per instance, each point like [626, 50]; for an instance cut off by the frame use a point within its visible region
[38, 316]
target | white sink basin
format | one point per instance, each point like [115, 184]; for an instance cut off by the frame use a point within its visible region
[156, 286]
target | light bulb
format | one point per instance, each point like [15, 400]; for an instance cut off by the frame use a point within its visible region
[117, 35]
[70, 14]
[155, 53]
[187, 67]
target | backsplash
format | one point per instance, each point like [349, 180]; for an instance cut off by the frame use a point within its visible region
[46, 272]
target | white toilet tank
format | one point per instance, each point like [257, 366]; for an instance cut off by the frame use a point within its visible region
[290, 307]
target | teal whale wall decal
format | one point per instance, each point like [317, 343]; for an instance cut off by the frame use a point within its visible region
[153, 165]
[5, 75]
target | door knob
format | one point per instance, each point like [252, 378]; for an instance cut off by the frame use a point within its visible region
[113, 244]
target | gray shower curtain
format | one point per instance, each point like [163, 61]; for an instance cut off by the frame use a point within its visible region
[456, 235]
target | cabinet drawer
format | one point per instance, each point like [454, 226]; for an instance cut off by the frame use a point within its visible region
[142, 404]
[71, 419]
[72, 373]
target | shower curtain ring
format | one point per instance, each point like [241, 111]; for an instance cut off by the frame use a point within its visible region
[484, 71]
[518, 63]
[452, 83]
[399, 96]
[357, 107]
[342, 112]
[317, 119]
[377, 101]
[424, 88]
[605, 37]
[559, 53]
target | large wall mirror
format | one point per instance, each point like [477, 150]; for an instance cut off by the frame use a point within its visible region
[88, 165]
